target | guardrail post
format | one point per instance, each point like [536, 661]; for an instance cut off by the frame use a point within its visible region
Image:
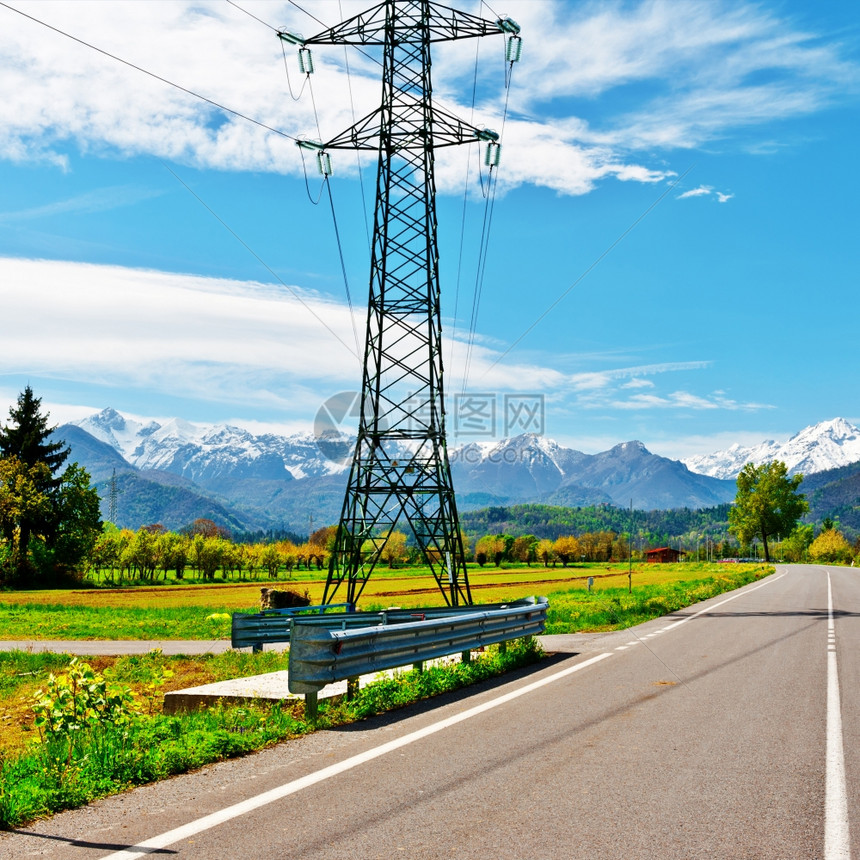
[419, 666]
[351, 688]
[311, 706]
[257, 647]
[466, 656]
[503, 647]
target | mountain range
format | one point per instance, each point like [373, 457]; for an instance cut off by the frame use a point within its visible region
[823, 446]
[173, 472]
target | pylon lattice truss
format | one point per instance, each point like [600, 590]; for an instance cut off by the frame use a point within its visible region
[400, 471]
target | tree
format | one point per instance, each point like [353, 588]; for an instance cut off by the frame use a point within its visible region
[78, 517]
[21, 500]
[525, 549]
[270, 558]
[546, 552]
[794, 547]
[324, 538]
[831, 546]
[767, 503]
[394, 550]
[56, 534]
[566, 548]
[27, 440]
[27, 437]
[206, 528]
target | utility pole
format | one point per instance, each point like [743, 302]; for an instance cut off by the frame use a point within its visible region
[400, 470]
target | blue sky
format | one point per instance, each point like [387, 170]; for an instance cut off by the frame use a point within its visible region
[674, 249]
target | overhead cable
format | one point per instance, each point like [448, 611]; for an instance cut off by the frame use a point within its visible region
[150, 74]
[669, 189]
[259, 259]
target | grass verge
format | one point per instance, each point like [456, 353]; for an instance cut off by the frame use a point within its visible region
[69, 769]
[578, 611]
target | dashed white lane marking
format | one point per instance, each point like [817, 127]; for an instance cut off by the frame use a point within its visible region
[150, 846]
[836, 843]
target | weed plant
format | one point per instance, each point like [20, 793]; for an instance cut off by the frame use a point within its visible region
[72, 766]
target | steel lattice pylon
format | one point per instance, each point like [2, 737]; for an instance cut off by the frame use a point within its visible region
[400, 470]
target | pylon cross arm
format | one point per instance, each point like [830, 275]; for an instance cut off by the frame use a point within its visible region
[443, 25]
[447, 130]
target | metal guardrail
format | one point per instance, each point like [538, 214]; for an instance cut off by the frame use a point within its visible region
[273, 625]
[320, 655]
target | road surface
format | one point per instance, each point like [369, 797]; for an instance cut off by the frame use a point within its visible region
[727, 730]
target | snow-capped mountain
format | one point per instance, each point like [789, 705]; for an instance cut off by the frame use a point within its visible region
[288, 481]
[209, 455]
[822, 446]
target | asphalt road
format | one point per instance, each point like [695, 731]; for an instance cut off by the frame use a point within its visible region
[711, 733]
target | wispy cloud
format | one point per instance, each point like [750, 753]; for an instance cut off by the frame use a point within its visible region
[705, 191]
[701, 191]
[98, 200]
[684, 400]
[252, 346]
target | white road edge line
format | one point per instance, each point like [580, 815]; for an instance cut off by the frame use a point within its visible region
[742, 593]
[171, 837]
[836, 842]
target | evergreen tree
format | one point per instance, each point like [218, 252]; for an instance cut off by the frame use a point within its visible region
[56, 533]
[27, 438]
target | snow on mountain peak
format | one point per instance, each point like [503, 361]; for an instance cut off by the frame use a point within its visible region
[826, 445]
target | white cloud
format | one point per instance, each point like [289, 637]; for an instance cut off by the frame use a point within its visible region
[694, 63]
[701, 191]
[203, 338]
[705, 191]
[260, 348]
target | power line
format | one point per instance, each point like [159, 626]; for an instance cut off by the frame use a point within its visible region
[252, 15]
[147, 72]
[465, 201]
[256, 256]
[591, 267]
[489, 207]
[357, 152]
[343, 269]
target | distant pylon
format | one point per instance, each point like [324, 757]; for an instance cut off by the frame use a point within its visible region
[113, 499]
[400, 472]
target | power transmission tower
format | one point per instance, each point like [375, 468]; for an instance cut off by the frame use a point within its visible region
[114, 493]
[400, 469]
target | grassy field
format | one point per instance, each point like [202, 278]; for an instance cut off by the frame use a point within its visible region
[192, 611]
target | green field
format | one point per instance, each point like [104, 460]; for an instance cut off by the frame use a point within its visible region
[186, 611]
